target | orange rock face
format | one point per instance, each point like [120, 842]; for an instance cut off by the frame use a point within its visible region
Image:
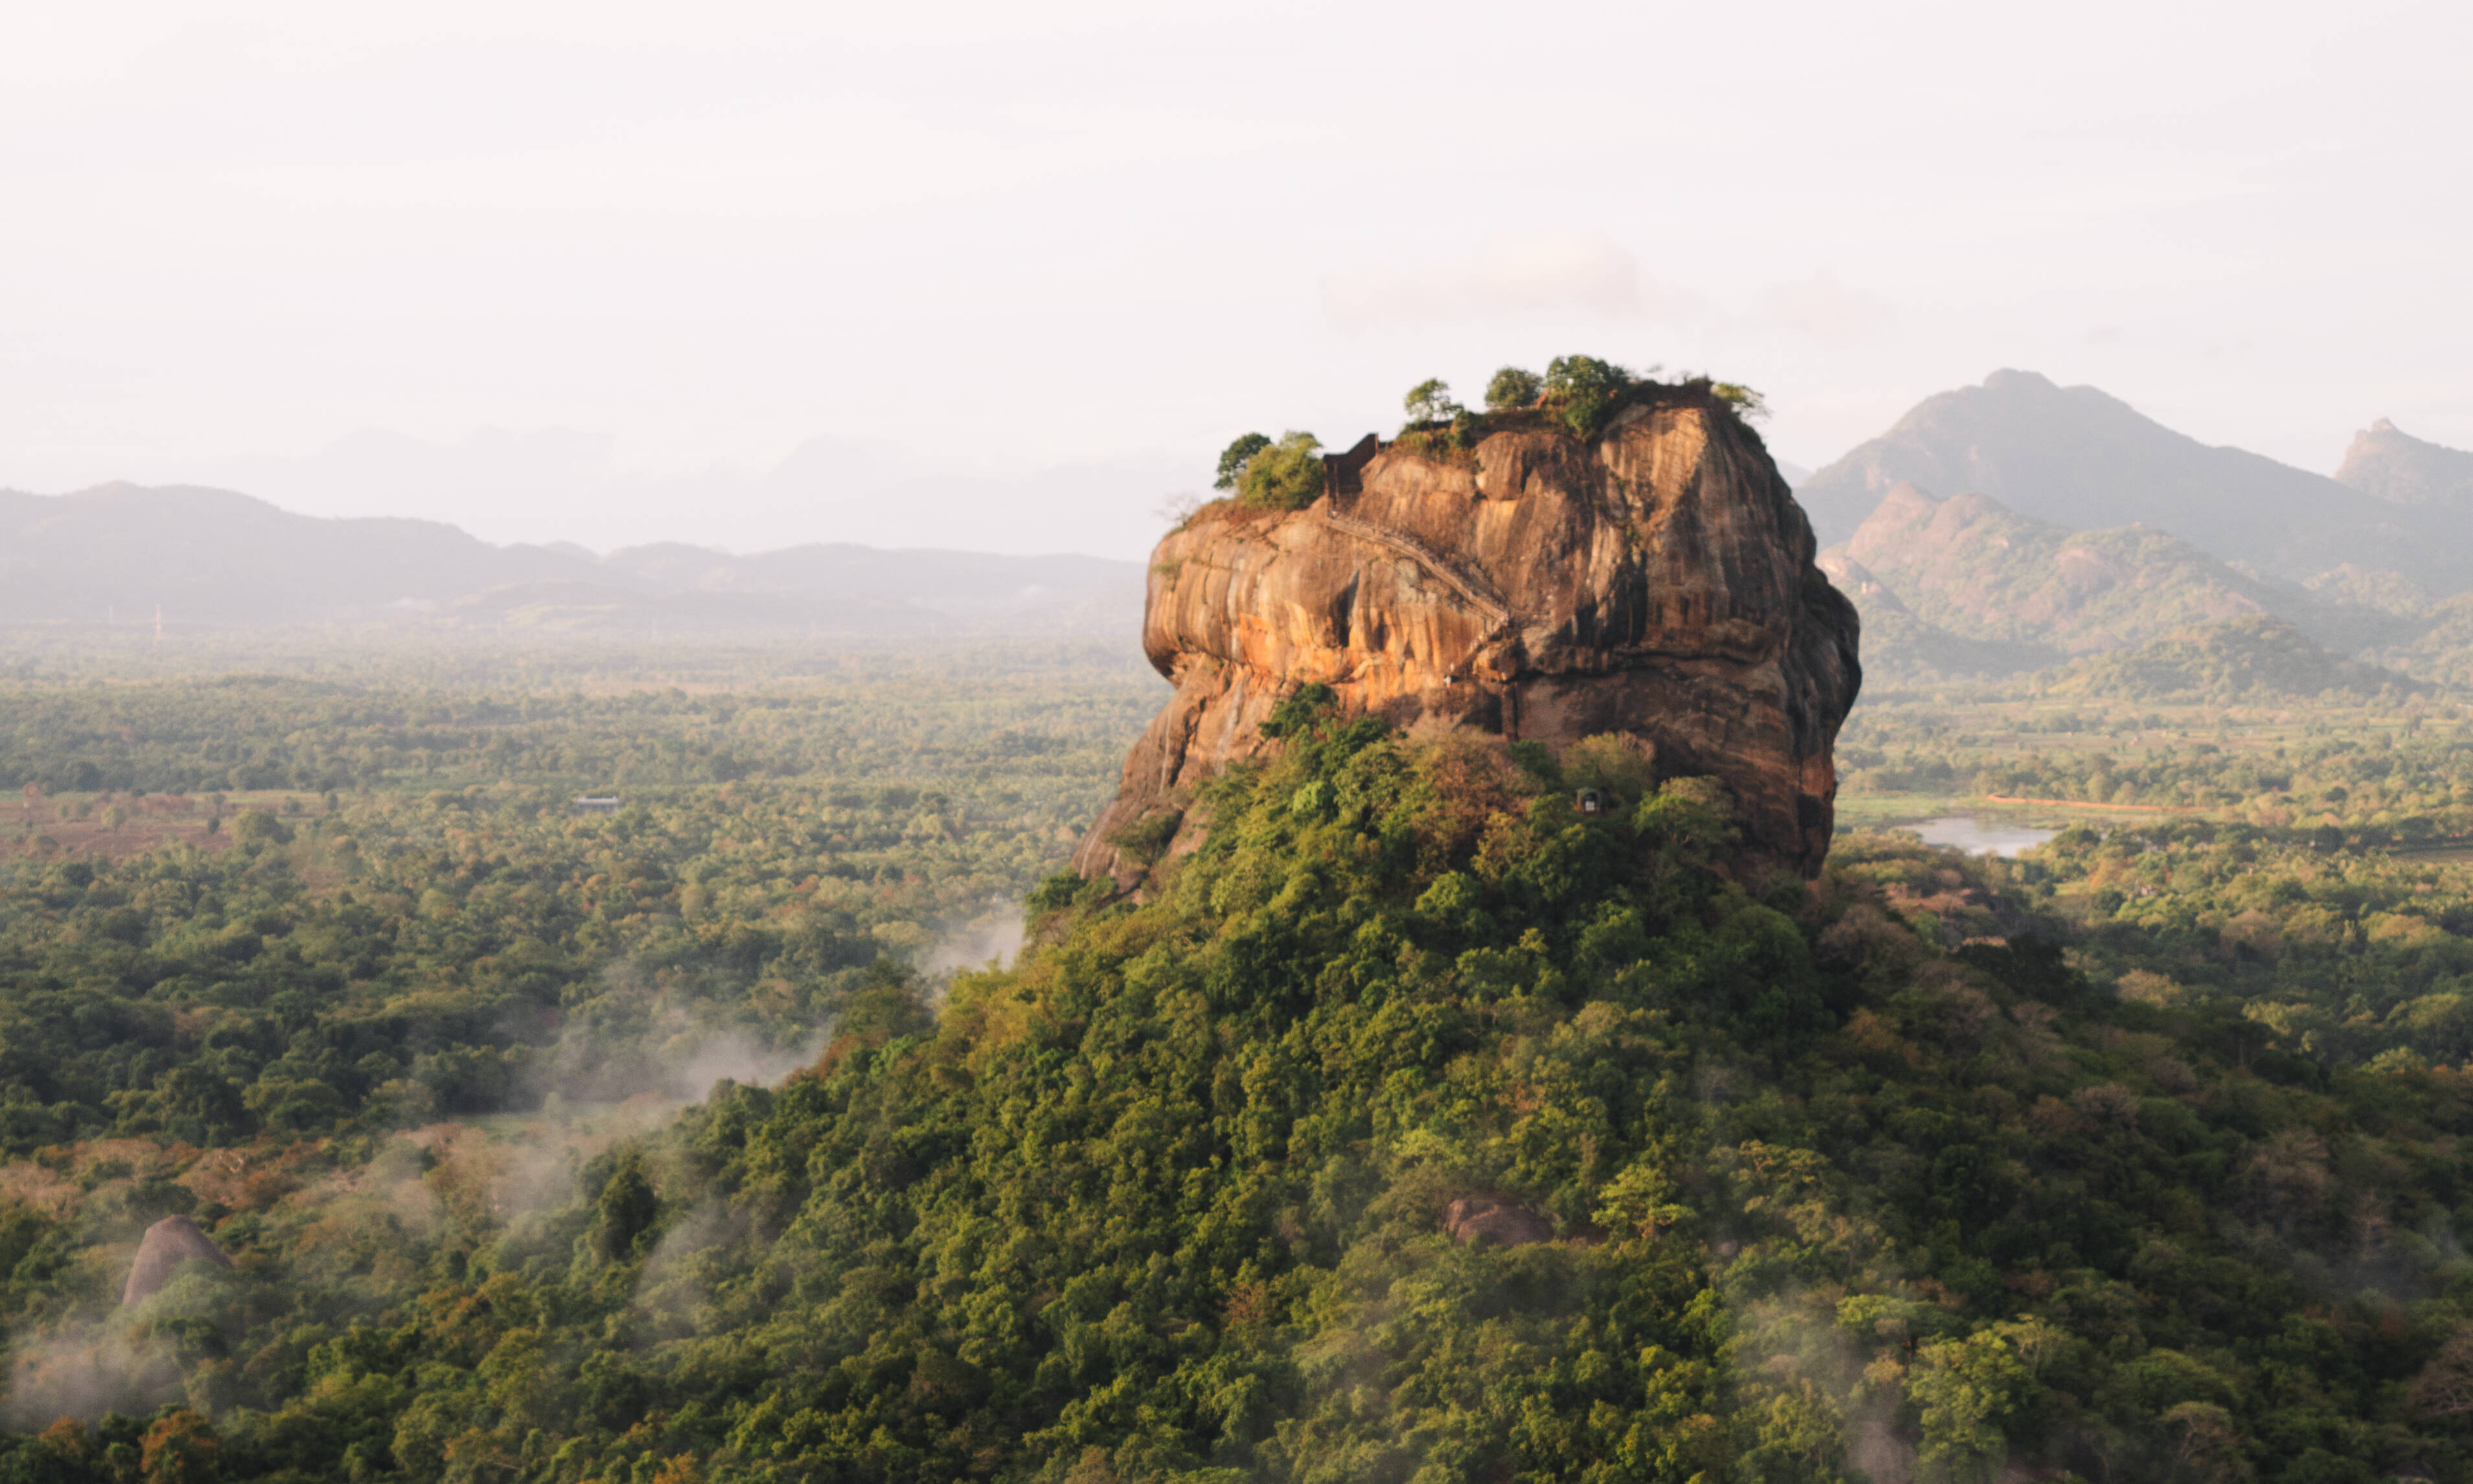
[1655, 581]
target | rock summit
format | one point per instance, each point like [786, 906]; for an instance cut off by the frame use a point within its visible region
[1655, 581]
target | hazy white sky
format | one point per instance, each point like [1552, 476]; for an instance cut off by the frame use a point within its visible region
[616, 261]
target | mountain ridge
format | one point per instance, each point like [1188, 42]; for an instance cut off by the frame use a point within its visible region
[2390, 464]
[2080, 458]
[1974, 566]
[220, 557]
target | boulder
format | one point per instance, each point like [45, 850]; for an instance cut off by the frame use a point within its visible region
[1656, 580]
[1473, 1219]
[169, 1243]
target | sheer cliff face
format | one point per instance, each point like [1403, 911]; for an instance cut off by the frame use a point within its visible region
[1656, 581]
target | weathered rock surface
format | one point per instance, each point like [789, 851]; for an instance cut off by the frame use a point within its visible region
[1473, 1220]
[168, 1243]
[1656, 580]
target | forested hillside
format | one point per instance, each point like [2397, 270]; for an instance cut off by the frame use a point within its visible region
[1417, 1127]
[369, 906]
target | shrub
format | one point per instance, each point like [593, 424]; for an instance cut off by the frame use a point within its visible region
[1451, 443]
[1056, 892]
[1615, 763]
[1537, 760]
[1286, 475]
[1309, 703]
[1747, 403]
[1233, 458]
[1147, 839]
[1511, 388]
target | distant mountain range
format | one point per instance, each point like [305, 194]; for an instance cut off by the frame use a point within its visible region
[547, 485]
[2077, 458]
[2012, 526]
[214, 557]
[2389, 464]
[2017, 526]
[1981, 571]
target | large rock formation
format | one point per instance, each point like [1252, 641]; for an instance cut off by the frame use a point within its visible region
[168, 1243]
[1656, 580]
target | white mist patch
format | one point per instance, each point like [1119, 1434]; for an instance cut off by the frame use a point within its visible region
[739, 1057]
[127, 1360]
[667, 1042]
[672, 1286]
[992, 938]
[597, 1086]
[595, 1093]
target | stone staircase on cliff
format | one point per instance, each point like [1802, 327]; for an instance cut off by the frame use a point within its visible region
[1475, 590]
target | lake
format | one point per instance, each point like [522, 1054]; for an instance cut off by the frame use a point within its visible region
[1980, 837]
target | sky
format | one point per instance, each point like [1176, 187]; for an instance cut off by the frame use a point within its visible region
[1006, 277]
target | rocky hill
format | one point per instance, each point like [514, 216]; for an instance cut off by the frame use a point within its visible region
[2074, 457]
[1654, 582]
[2389, 464]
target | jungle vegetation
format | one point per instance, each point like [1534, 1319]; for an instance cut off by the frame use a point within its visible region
[2133, 1157]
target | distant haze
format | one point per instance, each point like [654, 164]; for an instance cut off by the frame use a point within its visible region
[599, 272]
[131, 557]
[570, 486]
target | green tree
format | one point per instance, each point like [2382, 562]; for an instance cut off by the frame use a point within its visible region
[180, 1449]
[1585, 390]
[1233, 458]
[256, 826]
[1748, 404]
[1970, 1391]
[1511, 388]
[1430, 401]
[2211, 1444]
[1286, 475]
[628, 1209]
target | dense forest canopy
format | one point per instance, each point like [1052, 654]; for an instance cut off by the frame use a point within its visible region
[1419, 1127]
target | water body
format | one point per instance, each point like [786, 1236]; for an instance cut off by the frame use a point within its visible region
[1981, 837]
